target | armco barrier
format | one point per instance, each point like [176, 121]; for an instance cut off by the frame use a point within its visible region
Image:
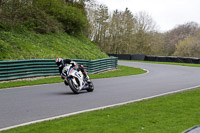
[142, 57]
[10, 70]
[101, 65]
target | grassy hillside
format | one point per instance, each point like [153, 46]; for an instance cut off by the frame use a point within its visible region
[29, 45]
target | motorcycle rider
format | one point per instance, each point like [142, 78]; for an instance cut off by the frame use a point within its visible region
[61, 63]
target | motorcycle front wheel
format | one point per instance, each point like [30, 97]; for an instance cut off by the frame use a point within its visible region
[73, 87]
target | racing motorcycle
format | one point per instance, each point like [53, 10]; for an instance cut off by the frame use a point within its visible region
[75, 80]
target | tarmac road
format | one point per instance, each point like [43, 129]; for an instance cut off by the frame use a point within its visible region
[25, 104]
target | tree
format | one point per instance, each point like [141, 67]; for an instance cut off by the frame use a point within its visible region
[98, 19]
[102, 24]
[145, 28]
[158, 44]
[189, 47]
[128, 25]
[145, 22]
[121, 31]
[179, 33]
[114, 37]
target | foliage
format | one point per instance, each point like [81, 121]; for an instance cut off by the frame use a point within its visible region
[189, 47]
[19, 15]
[73, 19]
[121, 31]
[43, 16]
[179, 33]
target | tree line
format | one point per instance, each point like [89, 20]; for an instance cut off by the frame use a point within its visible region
[118, 32]
[122, 32]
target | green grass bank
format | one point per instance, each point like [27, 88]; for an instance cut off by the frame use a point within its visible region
[15, 45]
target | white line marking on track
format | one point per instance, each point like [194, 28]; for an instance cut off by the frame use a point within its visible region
[99, 108]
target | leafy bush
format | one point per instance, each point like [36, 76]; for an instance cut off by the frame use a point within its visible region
[43, 16]
[39, 21]
[3, 26]
[72, 18]
[29, 17]
[189, 47]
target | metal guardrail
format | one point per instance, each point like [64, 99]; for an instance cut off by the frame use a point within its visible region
[101, 65]
[10, 70]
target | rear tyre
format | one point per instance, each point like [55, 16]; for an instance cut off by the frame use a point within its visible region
[91, 87]
[73, 87]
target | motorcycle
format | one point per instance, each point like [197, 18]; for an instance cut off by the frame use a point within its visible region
[75, 80]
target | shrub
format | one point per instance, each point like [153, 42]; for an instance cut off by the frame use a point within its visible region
[43, 16]
[27, 16]
[73, 19]
[3, 26]
[39, 21]
[189, 47]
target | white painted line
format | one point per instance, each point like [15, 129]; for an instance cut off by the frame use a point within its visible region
[99, 108]
[146, 70]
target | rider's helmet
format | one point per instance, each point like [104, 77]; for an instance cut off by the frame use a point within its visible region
[59, 61]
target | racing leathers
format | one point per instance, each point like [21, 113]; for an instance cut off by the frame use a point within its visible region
[66, 62]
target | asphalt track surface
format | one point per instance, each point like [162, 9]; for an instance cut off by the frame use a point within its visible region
[25, 104]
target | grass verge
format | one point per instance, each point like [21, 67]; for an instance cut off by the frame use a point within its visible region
[168, 114]
[168, 63]
[29, 45]
[122, 71]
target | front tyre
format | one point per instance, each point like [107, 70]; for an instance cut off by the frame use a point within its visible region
[91, 87]
[73, 87]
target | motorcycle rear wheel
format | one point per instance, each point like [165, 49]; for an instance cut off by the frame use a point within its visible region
[91, 87]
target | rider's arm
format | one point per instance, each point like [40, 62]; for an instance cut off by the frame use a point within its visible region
[67, 61]
[61, 73]
[60, 69]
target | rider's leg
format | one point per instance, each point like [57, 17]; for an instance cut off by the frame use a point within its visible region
[86, 77]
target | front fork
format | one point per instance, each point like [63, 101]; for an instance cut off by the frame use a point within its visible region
[66, 82]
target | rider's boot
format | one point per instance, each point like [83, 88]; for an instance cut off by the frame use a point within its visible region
[86, 77]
